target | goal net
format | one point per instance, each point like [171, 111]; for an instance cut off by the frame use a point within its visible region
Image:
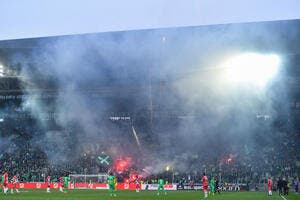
[88, 181]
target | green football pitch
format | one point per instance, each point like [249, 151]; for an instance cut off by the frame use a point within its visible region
[143, 195]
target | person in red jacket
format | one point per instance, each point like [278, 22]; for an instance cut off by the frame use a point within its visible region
[192, 184]
[48, 183]
[270, 185]
[14, 181]
[205, 185]
[5, 182]
[137, 184]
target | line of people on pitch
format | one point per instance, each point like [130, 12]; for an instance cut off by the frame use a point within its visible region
[213, 183]
[62, 184]
[112, 185]
[283, 186]
[5, 182]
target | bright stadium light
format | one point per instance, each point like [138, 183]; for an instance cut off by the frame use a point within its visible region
[1, 70]
[253, 68]
[167, 168]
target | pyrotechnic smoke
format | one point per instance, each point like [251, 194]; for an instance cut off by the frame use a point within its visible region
[136, 137]
[195, 114]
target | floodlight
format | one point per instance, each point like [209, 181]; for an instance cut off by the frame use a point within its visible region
[1, 70]
[167, 168]
[252, 67]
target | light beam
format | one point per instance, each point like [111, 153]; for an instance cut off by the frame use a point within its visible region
[252, 68]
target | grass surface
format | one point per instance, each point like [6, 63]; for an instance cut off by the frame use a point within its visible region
[143, 195]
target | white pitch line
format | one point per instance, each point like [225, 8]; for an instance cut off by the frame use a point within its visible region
[283, 197]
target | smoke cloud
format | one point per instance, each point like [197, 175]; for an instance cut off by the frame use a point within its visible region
[167, 81]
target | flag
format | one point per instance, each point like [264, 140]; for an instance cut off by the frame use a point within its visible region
[104, 160]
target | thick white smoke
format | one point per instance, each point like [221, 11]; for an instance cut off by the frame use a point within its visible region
[195, 114]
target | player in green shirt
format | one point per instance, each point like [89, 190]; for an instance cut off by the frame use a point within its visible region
[111, 180]
[160, 186]
[212, 186]
[66, 182]
[2, 181]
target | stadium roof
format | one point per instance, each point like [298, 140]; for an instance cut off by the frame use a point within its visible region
[286, 46]
[35, 18]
